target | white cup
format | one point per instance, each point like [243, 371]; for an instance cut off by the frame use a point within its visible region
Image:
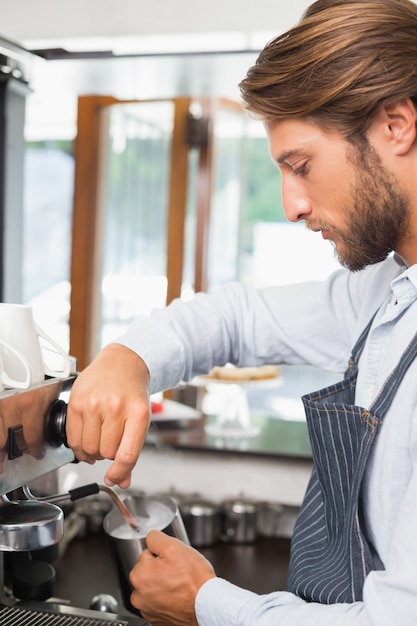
[19, 330]
[26, 375]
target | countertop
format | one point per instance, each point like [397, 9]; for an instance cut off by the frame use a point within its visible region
[276, 437]
[86, 568]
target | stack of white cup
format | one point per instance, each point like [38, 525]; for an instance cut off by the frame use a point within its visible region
[24, 360]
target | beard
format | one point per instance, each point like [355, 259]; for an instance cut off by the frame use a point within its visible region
[380, 216]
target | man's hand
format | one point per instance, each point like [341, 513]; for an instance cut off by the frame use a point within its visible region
[109, 411]
[166, 580]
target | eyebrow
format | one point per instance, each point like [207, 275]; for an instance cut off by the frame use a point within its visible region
[287, 155]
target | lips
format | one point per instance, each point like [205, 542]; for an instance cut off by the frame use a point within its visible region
[324, 232]
[319, 228]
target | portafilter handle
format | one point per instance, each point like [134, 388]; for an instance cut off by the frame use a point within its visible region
[55, 424]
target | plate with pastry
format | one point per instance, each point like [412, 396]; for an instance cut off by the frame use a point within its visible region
[231, 375]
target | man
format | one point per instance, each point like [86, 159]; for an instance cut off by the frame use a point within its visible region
[337, 95]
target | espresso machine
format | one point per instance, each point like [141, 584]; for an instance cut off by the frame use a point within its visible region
[33, 445]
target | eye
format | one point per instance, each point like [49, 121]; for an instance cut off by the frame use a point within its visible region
[300, 168]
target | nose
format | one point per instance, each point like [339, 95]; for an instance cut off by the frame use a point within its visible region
[297, 206]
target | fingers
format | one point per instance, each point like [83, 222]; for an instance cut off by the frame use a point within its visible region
[159, 542]
[114, 436]
[108, 412]
[166, 580]
[83, 428]
[127, 454]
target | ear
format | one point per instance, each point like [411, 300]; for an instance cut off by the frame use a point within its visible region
[400, 124]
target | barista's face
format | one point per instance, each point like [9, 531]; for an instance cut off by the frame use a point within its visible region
[339, 189]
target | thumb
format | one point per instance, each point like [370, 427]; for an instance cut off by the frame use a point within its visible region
[158, 542]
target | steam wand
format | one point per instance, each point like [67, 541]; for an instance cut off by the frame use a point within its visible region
[87, 490]
[120, 505]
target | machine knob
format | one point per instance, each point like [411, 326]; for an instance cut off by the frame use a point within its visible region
[105, 603]
[55, 433]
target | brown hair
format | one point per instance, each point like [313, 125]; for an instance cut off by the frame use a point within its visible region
[343, 59]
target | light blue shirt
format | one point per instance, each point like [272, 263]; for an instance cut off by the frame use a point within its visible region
[313, 323]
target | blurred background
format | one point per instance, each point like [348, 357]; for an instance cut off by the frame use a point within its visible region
[143, 179]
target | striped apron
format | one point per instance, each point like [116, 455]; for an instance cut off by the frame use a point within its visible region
[330, 553]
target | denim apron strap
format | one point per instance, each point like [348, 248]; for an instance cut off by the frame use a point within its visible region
[330, 553]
